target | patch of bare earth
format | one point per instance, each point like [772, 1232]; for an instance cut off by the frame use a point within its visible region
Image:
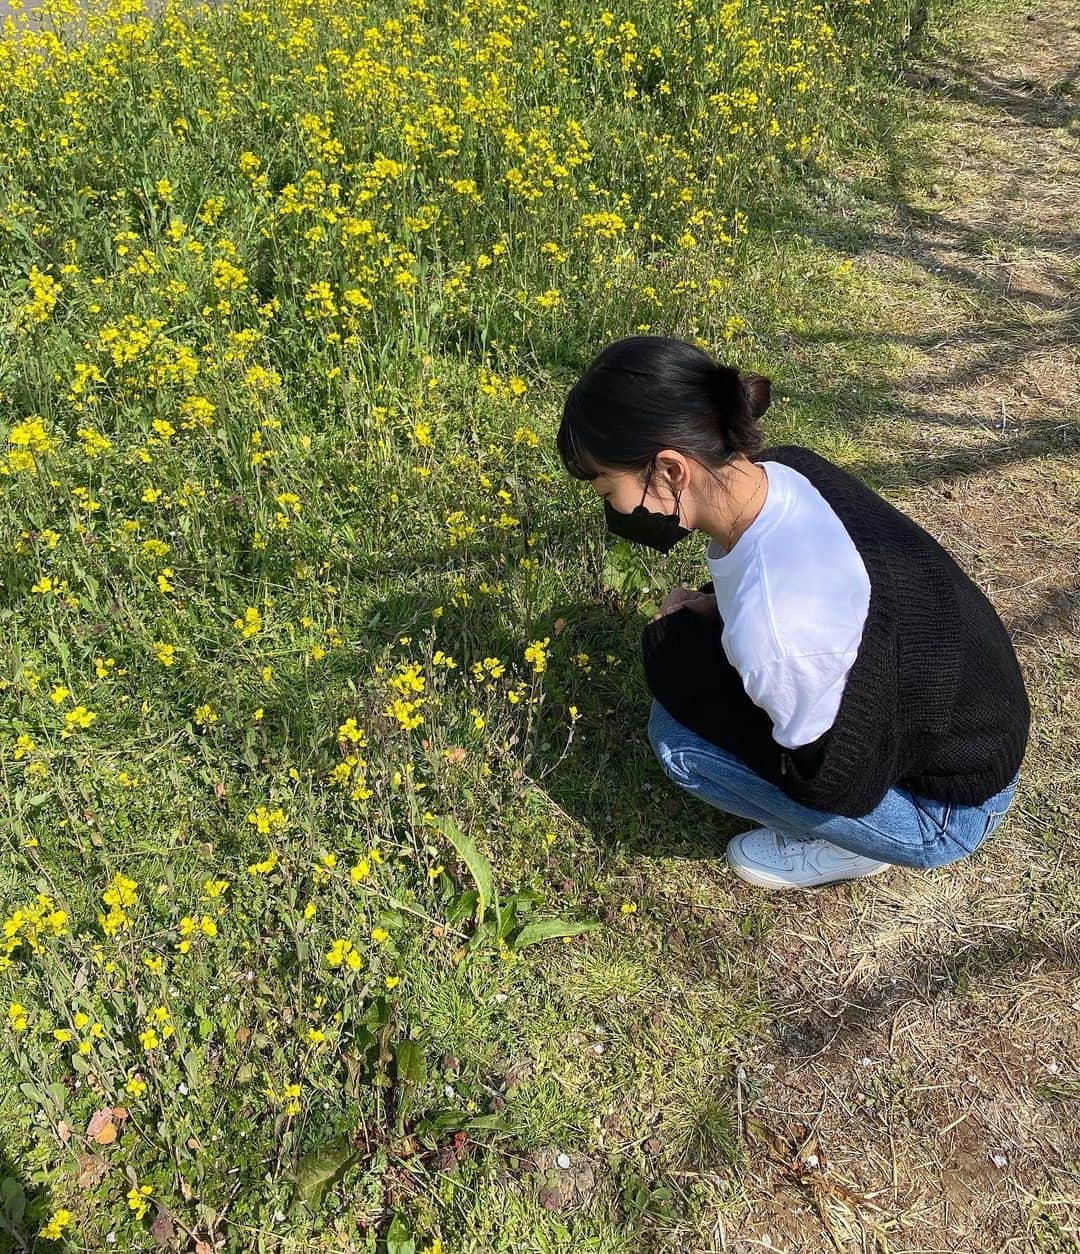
[921, 1090]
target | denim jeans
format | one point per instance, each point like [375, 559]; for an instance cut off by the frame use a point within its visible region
[903, 829]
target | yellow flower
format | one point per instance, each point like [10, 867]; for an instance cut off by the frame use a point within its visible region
[292, 1094]
[267, 821]
[118, 896]
[58, 694]
[136, 1200]
[264, 867]
[536, 653]
[250, 623]
[135, 1085]
[165, 653]
[379, 935]
[18, 1017]
[80, 716]
[343, 951]
[204, 715]
[54, 1229]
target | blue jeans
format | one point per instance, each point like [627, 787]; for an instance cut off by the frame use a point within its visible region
[903, 828]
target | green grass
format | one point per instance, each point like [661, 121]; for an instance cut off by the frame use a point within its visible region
[360, 484]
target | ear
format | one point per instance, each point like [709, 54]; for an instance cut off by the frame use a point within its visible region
[758, 392]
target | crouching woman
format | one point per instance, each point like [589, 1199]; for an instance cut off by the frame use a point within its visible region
[839, 682]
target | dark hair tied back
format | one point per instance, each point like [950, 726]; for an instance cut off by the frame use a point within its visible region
[648, 392]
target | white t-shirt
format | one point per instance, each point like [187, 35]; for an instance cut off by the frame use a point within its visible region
[793, 594]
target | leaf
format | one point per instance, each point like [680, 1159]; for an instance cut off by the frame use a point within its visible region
[92, 1170]
[162, 1230]
[443, 1121]
[409, 1064]
[322, 1168]
[12, 1199]
[101, 1129]
[410, 1071]
[479, 866]
[462, 906]
[399, 1238]
[549, 929]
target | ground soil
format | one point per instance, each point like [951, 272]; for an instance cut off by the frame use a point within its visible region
[920, 1092]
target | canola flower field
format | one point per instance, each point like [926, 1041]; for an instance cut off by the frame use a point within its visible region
[290, 295]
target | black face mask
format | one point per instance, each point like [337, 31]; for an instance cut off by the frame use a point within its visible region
[646, 526]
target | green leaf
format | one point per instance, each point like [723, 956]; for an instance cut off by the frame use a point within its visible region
[12, 1199]
[442, 1121]
[409, 1065]
[410, 1071]
[549, 929]
[322, 1168]
[462, 906]
[399, 1238]
[479, 866]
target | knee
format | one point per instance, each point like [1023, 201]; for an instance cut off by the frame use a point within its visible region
[655, 730]
[659, 733]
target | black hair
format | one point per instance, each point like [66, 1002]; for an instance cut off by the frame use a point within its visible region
[646, 393]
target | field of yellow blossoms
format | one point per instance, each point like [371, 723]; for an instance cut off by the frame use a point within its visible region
[290, 293]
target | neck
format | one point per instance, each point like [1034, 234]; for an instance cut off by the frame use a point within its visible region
[725, 520]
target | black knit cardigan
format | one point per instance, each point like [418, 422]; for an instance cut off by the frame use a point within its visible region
[934, 701]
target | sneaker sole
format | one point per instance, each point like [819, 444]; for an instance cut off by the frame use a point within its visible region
[762, 879]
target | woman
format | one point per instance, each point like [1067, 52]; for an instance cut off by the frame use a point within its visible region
[839, 682]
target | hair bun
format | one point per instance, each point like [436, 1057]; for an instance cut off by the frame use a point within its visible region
[758, 392]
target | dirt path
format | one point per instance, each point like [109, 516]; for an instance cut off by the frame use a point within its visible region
[928, 1038]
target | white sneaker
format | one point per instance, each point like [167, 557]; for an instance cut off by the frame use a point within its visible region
[769, 860]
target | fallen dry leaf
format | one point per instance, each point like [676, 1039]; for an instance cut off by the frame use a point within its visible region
[92, 1169]
[101, 1129]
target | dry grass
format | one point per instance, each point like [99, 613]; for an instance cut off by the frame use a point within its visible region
[928, 1028]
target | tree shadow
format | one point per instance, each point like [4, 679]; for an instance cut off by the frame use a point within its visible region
[1026, 320]
[1059, 613]
[941, 70]
[928, 975]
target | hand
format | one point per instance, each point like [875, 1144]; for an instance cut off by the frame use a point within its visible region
[677, 598]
